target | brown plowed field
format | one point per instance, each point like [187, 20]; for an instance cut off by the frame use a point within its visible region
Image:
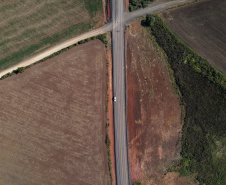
[153, 111]
[202, 26]
[53, 121]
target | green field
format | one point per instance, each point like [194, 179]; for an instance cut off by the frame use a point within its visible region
[203, 91]
[30, 27]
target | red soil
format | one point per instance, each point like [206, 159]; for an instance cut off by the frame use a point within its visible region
[110, 116]
[153, 110]
[108, 10]
[127, 5]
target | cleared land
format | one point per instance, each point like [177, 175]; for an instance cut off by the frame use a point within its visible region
[153, 111]
[202, 26]
[53, 121]
[29, 27]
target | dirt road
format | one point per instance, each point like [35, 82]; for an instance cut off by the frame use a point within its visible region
[104, 29]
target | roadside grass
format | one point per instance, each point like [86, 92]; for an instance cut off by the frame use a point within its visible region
[29, 27]
[137, 183]
[203, 91]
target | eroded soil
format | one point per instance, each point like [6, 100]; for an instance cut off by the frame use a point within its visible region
[153, 110]
[110, 114]
[53, 121]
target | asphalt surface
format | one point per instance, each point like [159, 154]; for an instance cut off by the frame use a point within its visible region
[119, 19]
[119, 90]
[129, 16]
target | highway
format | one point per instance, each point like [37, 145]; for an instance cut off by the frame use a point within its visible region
[119, 20]
[119, 106]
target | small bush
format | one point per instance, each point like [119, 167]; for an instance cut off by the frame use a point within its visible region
[137, 4]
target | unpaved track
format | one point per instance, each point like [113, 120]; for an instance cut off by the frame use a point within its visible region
[128, 16]
[59, 47]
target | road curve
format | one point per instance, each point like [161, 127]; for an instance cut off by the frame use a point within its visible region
[129, 16]
[102, 30]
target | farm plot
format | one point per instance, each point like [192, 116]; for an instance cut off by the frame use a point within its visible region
[29, 27]
[52, 121]
[202, 26]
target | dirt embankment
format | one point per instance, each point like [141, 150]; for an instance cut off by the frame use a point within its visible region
[53, 120]
[126, 5]
[110, 115]
[153, 111]
[108, 10]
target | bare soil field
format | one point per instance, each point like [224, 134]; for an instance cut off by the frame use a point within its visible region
[29, 27]
[202, 26]
[153, 111]
[53, 121]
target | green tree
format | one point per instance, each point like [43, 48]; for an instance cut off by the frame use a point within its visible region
[20, 70]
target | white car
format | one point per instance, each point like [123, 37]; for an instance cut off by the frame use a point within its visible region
[114, 99]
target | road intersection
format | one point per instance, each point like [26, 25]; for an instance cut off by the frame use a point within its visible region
[119, 19]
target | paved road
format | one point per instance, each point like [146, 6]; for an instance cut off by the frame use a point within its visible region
[119, 19]
[129, 16]
[121, 154]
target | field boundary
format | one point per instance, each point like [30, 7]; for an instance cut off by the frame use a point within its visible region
[60, 47]
[101, 37]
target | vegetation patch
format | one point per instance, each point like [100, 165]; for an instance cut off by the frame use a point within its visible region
[203, 91]
[136, 4]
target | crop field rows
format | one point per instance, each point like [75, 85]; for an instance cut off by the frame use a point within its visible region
[29, 27]
[53, 118]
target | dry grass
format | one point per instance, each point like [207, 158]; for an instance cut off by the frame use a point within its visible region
[52, 121]
[28, 27]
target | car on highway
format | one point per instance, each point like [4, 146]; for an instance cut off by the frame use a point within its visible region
[114, 98]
